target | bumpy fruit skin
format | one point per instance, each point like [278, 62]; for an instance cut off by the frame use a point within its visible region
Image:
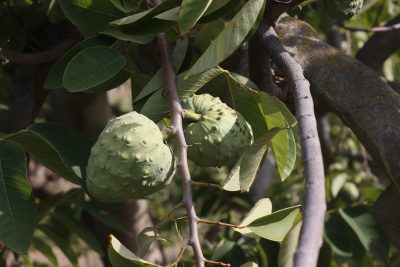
[129, 160]
[220, 136]
[342, 9]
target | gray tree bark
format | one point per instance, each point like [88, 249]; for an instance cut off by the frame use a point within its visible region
[363, 100]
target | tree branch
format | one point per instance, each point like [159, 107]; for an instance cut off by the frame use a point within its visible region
[36, 58]
[362, 100]
[388, 28]
[260, 68]
[315, 206]
[380, 46]
[177, 115]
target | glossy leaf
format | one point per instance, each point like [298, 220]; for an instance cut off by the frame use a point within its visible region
[91, 67]
[368, 232]
[262, 208]
[89, 16]
[276, 225]
[55, 77]
[190, 12]
[253, 159]
[17, 205]
[289, 246]
[120, 256]
[62, 150]
[236, 32]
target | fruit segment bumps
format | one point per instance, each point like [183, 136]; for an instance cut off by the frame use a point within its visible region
[220, 136]
[129, 160]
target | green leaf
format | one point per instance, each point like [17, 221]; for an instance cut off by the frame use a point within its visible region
[103, 216]
[145, 238]
[89, 16]
[253, 159]
[368, 232]
[62, 150]
[120, 256]
[215, 6]
[248, 102]
[232, 182]
[91, 67]
[46, 250]
[171, 14]
[145, 31]
[208, 33]
[289, 246]
[79, 229]
[61, 242]
[262, 208]
[138, 18]
[265, 112]
[55, 77]
[283, 144]
[230, 38]
[276, 225]
[17, 205]
[126, 6]
[190, 12]
[337, 236]
[157, 81]
[156, 107]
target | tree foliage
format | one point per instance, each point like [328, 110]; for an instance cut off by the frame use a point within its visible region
[115, 42]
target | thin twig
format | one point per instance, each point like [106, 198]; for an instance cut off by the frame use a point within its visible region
[180, 255]
[217, 263]
[204, 221]
[177, 114]
[315, 204]
[168, 215]
[217, 186]
[388, 28]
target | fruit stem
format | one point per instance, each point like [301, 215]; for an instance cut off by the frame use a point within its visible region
[190, 115]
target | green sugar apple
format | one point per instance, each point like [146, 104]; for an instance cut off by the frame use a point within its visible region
[129, 160]
[220, 136]
[342, 9]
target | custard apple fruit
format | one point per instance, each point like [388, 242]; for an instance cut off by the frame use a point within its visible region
[220, 136]
[129, 160]
[342, 9]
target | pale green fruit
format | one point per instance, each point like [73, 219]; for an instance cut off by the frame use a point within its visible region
[350, 191]
[342, 9]
[129, 160]
[220, 136]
